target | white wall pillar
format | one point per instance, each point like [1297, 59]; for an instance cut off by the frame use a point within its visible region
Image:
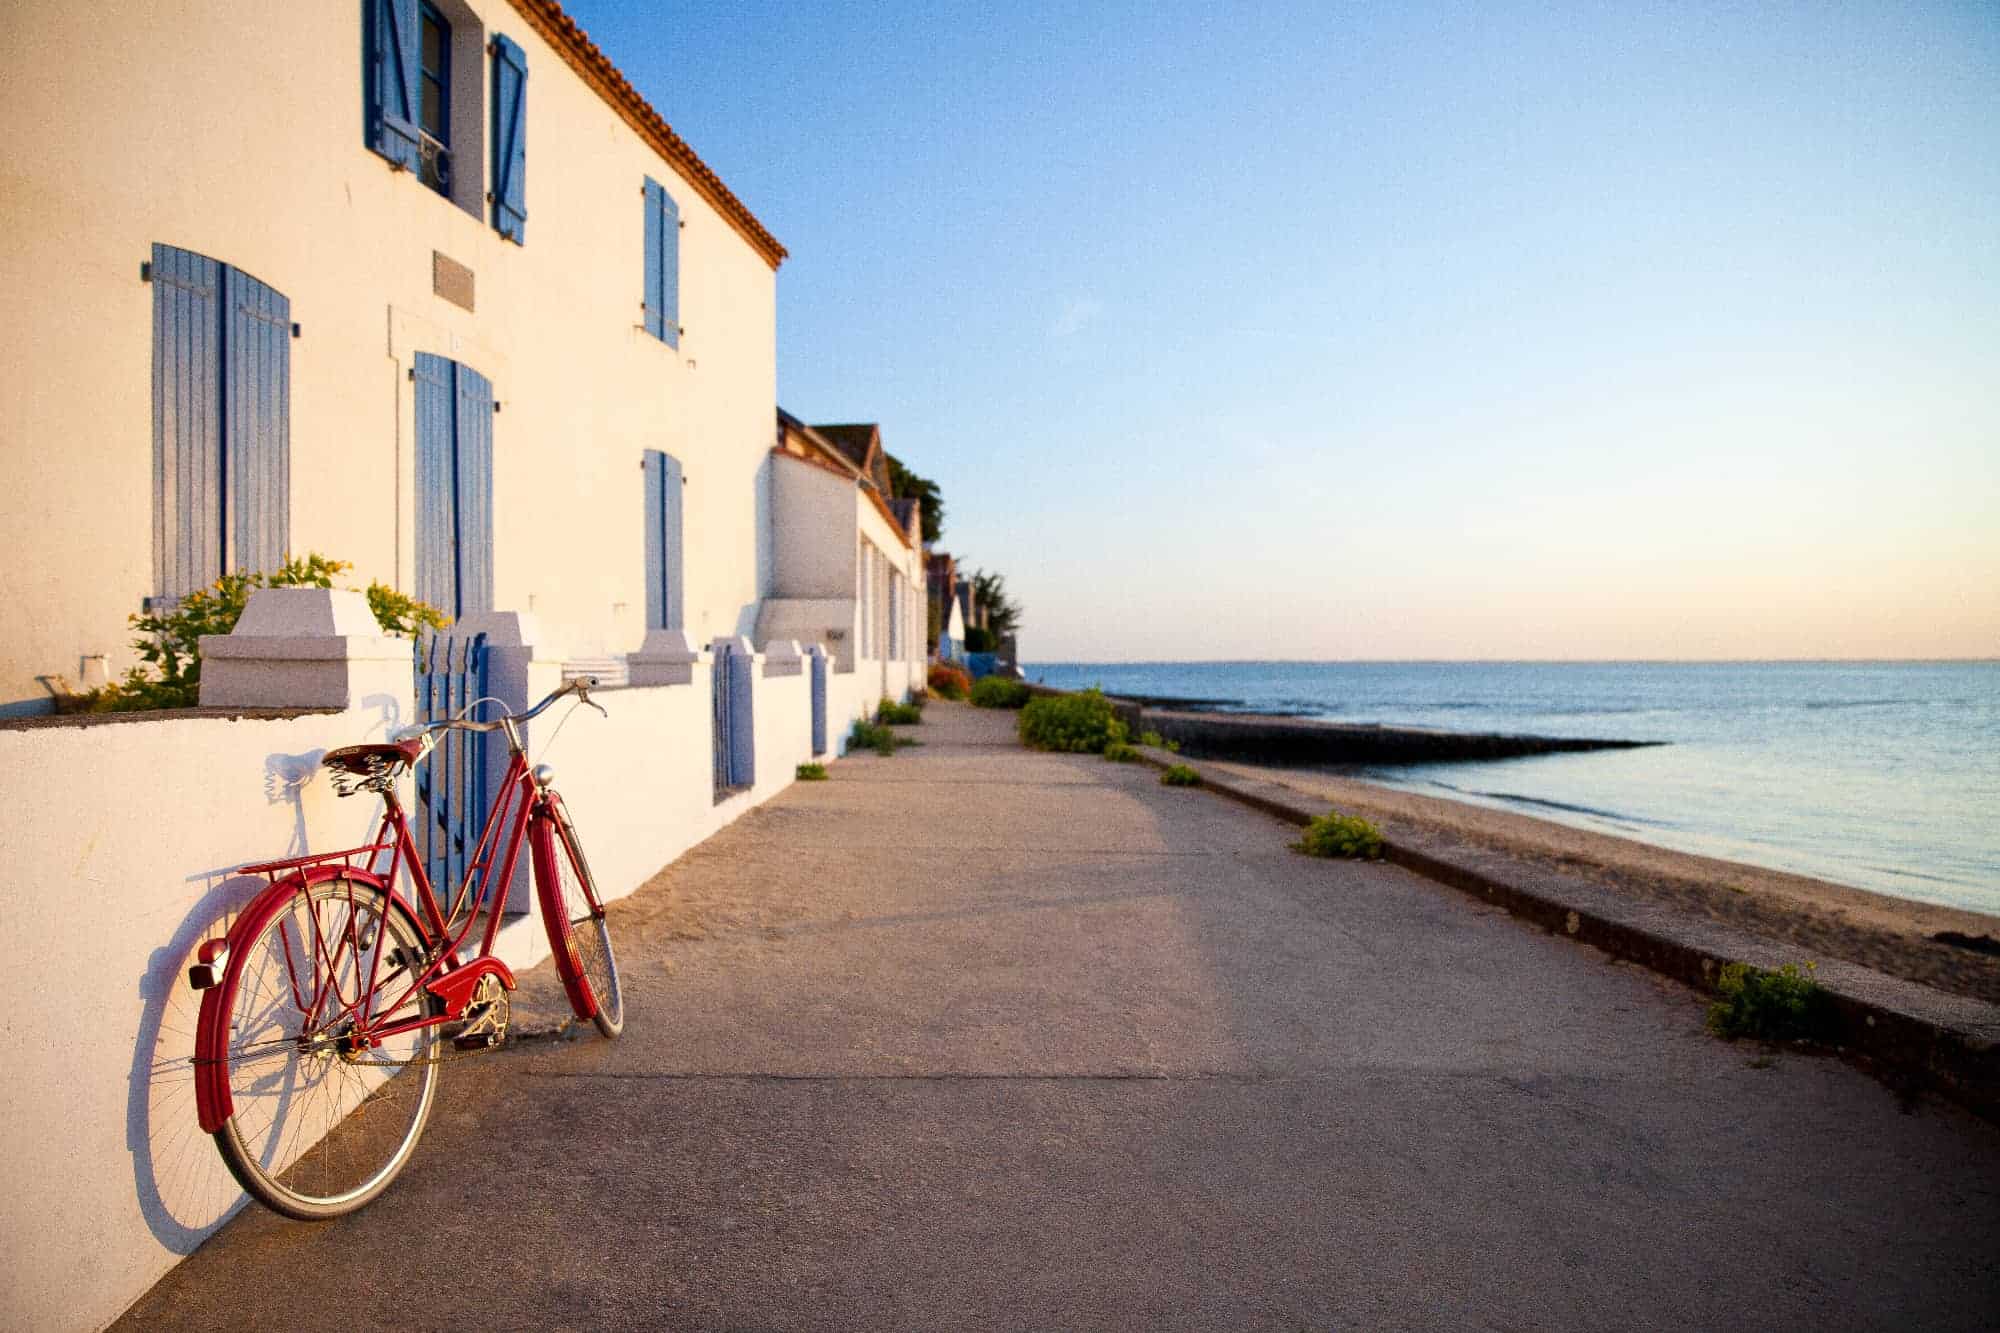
[304, 648]
[667, 657]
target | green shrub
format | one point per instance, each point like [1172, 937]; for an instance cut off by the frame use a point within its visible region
[998, 692]
[892, 714]
[1785, 1005]
[811, 773]
[1076, 723]
[874, 736]
[1180, 775]
[979, 639]
[1159, 742]
[1118, 752]
[170, 642]
[1335, 834]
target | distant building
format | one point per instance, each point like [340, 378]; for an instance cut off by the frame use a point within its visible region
[845, 559]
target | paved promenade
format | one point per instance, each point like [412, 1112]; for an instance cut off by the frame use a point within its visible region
[976, 1037]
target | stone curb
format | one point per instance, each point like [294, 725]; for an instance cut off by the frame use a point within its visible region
[1915, 1037]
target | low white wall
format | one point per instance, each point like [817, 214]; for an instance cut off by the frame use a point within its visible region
[120, 844]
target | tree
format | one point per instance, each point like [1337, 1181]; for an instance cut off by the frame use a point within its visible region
[1003, 613]
[907, 485]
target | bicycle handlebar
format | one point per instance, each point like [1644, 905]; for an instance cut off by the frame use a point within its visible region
[581, 686]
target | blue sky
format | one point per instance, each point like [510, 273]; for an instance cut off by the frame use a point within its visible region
[1344, 331]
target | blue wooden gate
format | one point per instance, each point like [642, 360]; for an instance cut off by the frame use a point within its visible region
[818, 699]
[451, 784]
[735, 734]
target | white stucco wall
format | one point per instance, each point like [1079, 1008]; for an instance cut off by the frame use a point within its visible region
[161, 151]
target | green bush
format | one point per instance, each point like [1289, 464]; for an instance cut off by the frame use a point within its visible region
[1118, 752]
[1076, 723]
[874, 736]
[1180, 775]
[1783, 1005]
[1335, 834]
[979, 639]
[1159, 742]
[810, 773]
[998, 692]
[170, 643]
[892, 714]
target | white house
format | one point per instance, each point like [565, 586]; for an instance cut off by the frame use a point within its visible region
[424, 286]
[846, 559]
[431, 288]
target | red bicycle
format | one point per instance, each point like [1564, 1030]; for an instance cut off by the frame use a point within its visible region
[328, 1005]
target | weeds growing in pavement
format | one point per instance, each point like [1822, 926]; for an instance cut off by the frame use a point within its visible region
[1335, 834]
[1785, 1004]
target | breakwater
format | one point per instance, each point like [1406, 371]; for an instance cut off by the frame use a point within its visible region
[1291, 740]
[1268, 738]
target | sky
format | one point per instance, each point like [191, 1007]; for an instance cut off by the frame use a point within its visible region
[1345, 331]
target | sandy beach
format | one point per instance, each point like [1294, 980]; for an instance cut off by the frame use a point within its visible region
[1823, 919]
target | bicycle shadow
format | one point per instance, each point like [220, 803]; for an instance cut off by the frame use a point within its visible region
[184, 1190]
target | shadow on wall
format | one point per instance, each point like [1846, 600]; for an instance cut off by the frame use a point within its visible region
[183, 1189]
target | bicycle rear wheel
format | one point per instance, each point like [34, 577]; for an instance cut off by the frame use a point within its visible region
[319, 1128]
[578, 933]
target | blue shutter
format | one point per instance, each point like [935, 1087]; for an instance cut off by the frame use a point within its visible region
[473, 450]
[663, 540]
[256, 414]
[389, 88]
[818, 700]
[437, 573]
[510, 140]
[655, 258]
[742, 733]
[670, 270]
[187, 421]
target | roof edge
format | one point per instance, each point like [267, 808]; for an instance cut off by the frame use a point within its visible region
[559, 30]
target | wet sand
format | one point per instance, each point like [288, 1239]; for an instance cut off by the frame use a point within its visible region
[1823, 919]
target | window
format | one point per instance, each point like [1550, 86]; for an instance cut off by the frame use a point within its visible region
[434, 98]
[222, 432]
[425, 110]
[662, 475]
[662, 296]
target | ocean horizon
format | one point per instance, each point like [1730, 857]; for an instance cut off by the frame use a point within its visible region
[1881, 774]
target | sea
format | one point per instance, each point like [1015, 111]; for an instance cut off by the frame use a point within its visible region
[1881, 775]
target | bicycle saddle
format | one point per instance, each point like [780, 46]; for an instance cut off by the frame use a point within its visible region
[367, 760]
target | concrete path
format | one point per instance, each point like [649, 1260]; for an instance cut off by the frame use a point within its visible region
[976, 1037]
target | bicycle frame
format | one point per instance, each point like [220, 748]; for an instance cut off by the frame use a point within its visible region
[519, 802]
[525, 804]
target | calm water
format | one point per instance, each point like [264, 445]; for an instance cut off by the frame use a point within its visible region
[1882, 775]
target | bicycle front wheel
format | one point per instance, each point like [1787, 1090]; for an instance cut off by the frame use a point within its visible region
[320, 1127]
[574, 916]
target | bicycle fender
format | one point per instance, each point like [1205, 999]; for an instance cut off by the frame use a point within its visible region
[213, 1104]
[541, 837]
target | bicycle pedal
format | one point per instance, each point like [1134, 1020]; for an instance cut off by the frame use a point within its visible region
[476, 1041]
